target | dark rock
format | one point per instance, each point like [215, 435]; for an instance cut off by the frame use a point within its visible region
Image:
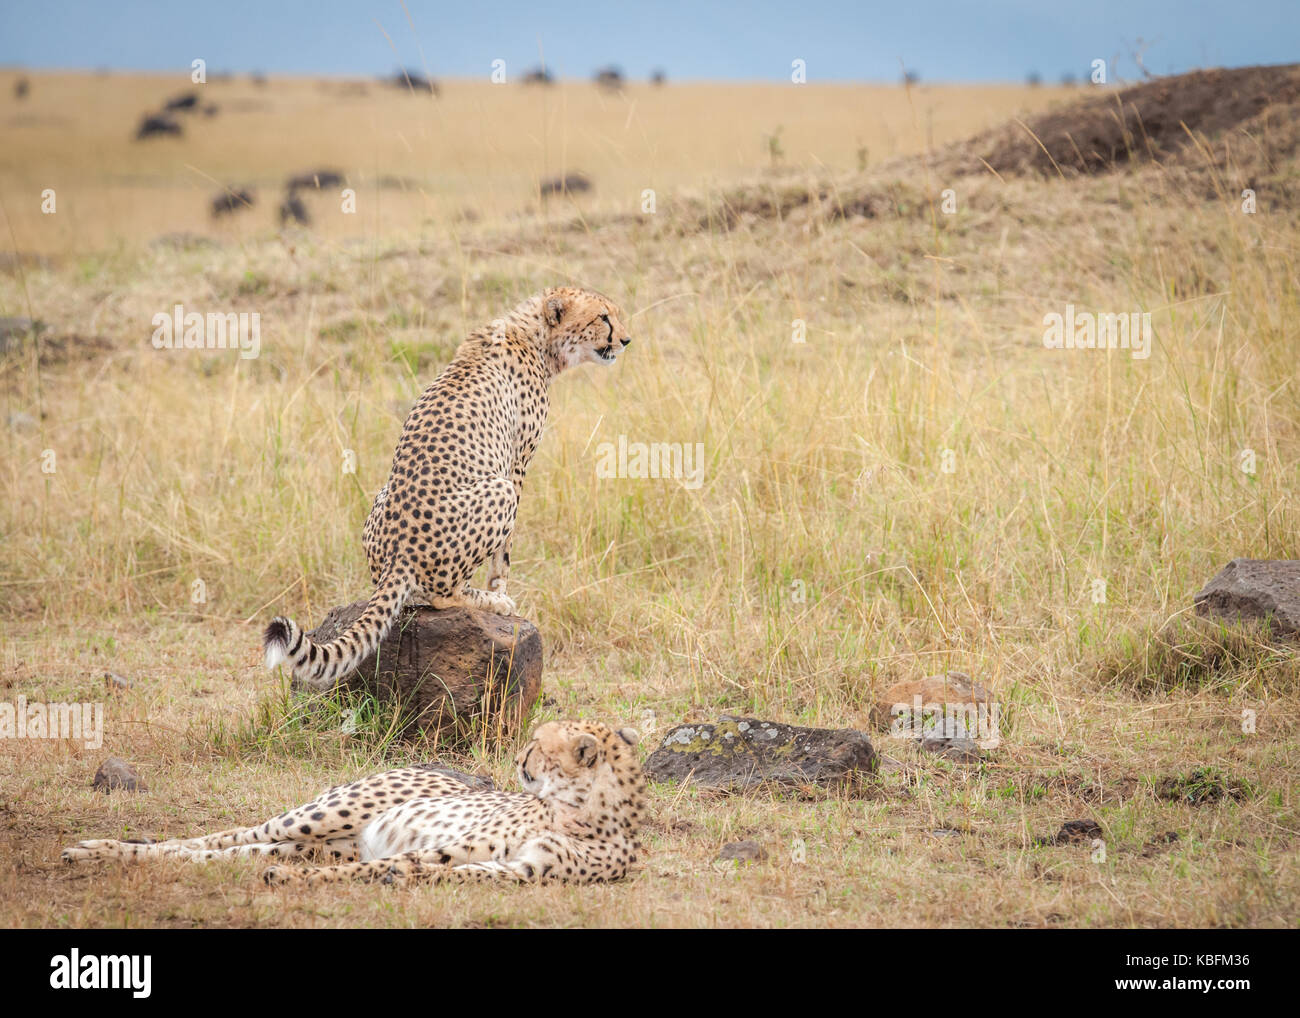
[958, 750]
[1073, 831]
[157, 126]
[742, 852]
[1160, 843]
[1255, 590]
[741, 753]
[570, 183]
[117, 773]
[21, 88]
[447, 670]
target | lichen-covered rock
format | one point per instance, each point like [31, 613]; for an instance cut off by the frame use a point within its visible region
[740, 753]
[448, 669]
[1253, 590]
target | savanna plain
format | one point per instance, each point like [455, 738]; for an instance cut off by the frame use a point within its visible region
[899, 479]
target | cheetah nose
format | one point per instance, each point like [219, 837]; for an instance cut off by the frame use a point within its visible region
[625, 340]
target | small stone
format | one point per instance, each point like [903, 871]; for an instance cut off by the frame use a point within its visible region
[1071, 832]
[963, 751]
[117, 773]
[1160, 843]
[742, 852]
[115, 682]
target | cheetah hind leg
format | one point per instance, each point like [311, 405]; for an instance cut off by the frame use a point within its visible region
[409, 868]
[304, 827]
[488, 509]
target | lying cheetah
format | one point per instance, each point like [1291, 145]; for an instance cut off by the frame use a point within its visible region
[576, 822]
[451, 497]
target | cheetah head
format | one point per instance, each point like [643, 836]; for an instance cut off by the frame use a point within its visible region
[584, 764]
[582, 326]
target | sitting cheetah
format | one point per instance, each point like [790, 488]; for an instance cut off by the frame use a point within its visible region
[451, 497]
[576, 821]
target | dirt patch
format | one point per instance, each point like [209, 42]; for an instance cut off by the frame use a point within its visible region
[1148, 122]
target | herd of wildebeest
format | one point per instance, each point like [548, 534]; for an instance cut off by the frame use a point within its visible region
[168, 121]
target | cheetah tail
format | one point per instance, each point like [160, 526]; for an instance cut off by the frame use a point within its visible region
[318, 664]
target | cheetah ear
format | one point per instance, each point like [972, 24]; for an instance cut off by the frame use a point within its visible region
[586, 750]
[629, 735]
[555, 308]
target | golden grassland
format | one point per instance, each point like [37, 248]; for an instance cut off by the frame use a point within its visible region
[657, 602]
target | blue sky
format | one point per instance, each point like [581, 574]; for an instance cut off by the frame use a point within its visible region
[943, 40]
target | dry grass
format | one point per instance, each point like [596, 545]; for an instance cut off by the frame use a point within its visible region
[824, 466]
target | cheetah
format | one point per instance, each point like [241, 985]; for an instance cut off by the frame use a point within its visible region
[576, 822]
[458, 471]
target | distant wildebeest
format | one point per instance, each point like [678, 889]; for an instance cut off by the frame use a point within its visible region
[211, 110]
[413, 81]
[609, 77]
[538, 76]
[155, 124]
[570, 183]
[316, 179]
[231, 201]
[258, 79]
[21, 87]
[292, 210]
[186, 101]
[658, 77]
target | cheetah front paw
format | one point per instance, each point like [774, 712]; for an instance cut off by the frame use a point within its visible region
[501, 603]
